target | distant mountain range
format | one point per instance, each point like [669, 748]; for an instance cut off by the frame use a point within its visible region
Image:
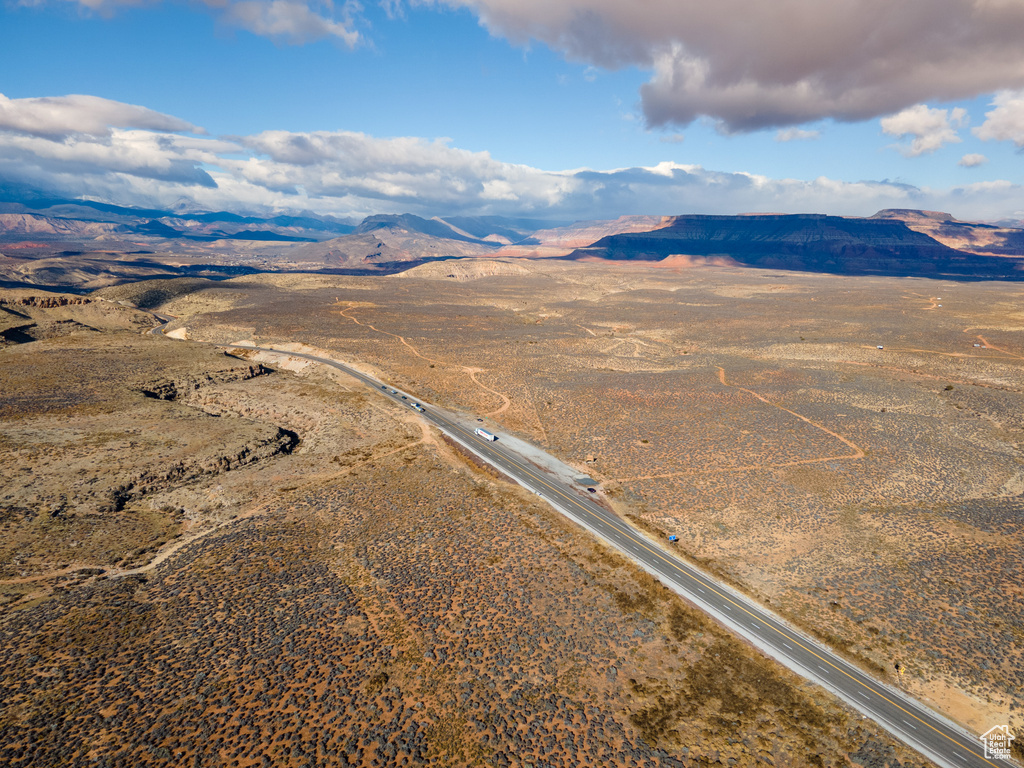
[42, 238]
[390, 242]
[65, 217]
[39, 215]
[486, 230]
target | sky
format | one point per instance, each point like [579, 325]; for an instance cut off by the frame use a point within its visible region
[559, 109]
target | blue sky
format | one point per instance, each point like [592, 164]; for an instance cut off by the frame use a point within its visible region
[562, 108]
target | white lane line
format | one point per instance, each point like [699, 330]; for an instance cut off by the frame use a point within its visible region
[864, 695]
[514, 465]
[755, 626]
[910, 724]
[823, 669]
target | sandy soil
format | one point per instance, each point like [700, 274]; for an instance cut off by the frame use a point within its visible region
[366, 598]
[751, 413]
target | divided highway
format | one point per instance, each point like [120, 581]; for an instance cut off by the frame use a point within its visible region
[911, 722]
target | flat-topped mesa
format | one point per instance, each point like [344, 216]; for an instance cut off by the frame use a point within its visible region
[806, 242]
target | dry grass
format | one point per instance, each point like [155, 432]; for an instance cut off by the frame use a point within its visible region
[379, 600]
[750, 413]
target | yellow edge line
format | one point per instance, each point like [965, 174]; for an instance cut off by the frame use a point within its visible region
[724, 596]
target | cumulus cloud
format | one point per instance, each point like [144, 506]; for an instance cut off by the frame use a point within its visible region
[746, 64]
[136, 153]
[930, 128]
[354, 174]
[398, 174]
[1006, 121]
[796, 134]
[972, 160]
[63, 116]
[432, 178]
[72, 144]
[751, 64]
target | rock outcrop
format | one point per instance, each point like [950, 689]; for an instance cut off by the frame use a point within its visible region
[143, 483]
[182, 388]
[46, 302]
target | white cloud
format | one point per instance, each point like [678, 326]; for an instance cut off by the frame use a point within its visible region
[397, 174]
[746, 64]
[63, 116]
[292, 21]
[796, 134]
[931, 128]
[393, 9]
[353, 174]
[1006, 121]
[752, 64]
[141, 154]
[972, 160]
[69, 143]
[104, 7]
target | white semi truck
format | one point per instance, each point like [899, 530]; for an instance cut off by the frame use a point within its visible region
[485, 434]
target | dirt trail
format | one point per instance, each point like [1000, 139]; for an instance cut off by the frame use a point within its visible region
[540, 424]
[51, 574]
[505, 401]
[172, 547]
[986, 345]
[637, 344]
[113, 573]
[943, 377]
[936, 377]
[393, 335]
[167, 550]
[858, 452]
[471, 372]
[933, 300]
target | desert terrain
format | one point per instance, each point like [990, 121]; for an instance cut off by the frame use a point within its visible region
[870, 495]
[80, 246]
[214, 560]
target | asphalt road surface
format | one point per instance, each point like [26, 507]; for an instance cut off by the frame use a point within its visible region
[911, 722]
